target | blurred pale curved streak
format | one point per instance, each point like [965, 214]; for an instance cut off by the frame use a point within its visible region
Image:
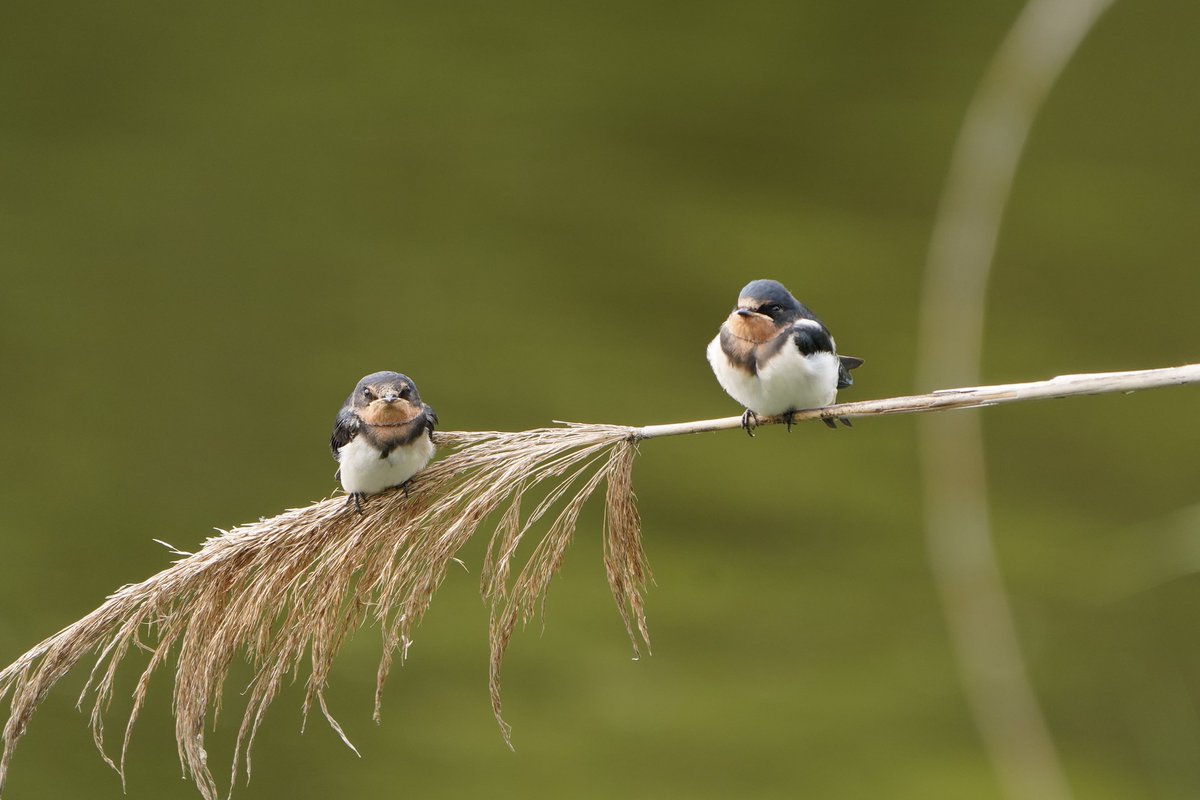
[980, 620]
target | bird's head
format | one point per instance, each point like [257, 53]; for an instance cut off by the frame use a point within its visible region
[386, 398]
[764, 308]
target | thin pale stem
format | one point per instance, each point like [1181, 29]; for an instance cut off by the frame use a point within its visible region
[950, 399]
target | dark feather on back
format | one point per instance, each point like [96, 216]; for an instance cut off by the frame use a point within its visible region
[810, 339]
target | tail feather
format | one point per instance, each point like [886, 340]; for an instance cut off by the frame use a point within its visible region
[845, 364]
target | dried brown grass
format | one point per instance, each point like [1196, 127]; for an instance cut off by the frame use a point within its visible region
[288, 590]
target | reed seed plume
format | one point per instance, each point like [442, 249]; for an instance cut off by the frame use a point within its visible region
[285, 592]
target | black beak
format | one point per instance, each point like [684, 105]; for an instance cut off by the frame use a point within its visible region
[743, 312]
[390, 398]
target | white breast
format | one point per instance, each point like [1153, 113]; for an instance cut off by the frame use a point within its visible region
[789, 381]
[362, 470]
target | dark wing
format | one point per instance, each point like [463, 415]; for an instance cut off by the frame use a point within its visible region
[345, 428]
[811, 338]
[430, 417]
[845, 364]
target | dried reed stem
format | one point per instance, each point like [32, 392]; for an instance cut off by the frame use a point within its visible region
[950, 399]
[289, 589]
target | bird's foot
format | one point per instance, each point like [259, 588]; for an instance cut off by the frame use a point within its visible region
[845, 421]
[749, 422]
[355, 499]
[405, 486]
[788, 418]
[829, 423]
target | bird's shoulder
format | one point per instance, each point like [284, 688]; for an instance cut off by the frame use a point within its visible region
[809, 336]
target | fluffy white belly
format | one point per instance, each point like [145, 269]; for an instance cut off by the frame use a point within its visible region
[789, 381]
[362, 470]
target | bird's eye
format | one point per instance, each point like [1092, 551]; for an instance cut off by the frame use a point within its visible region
[769, 308]
[367, 392]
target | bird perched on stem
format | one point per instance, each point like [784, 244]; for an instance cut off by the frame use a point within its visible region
[775, 357]
[382, 436]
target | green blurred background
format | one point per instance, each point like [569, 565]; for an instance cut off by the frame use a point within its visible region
[215, 218]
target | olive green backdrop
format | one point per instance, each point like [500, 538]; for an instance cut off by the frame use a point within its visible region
[215, 218]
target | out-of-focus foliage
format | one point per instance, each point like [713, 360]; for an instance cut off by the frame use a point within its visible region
[215, 218]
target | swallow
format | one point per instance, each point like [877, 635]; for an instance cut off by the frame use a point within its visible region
[383, 435]
[775, 357]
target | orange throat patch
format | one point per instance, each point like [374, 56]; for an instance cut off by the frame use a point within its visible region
[382, 414]
[754, 328]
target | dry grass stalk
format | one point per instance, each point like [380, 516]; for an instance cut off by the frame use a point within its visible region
[289, 589]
